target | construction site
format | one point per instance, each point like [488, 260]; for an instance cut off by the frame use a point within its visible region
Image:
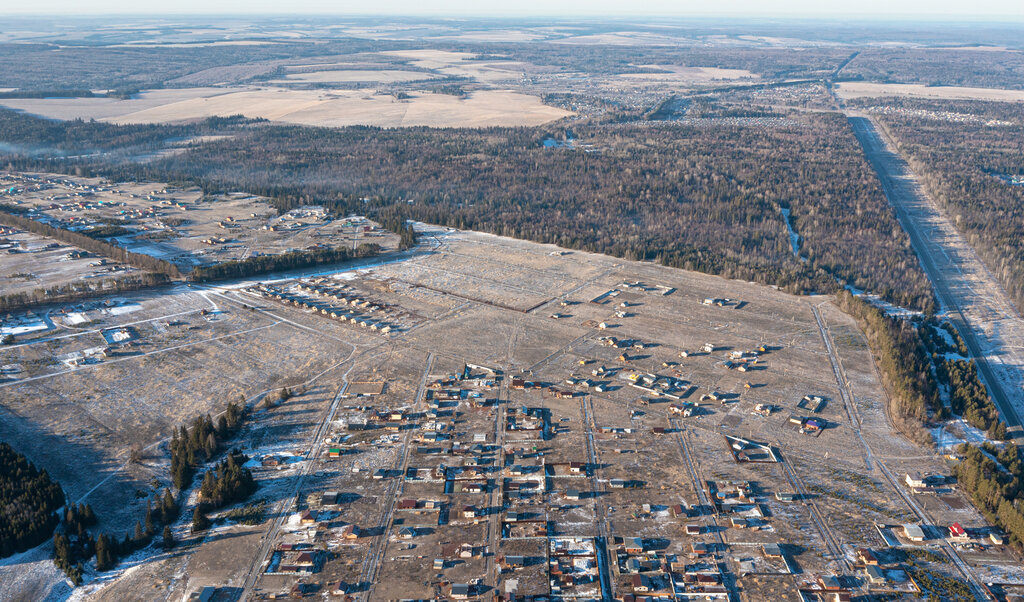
[444, 436]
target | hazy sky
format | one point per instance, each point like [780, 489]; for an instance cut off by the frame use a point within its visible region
[919, 9]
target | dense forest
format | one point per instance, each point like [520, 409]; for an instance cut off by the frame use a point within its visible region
[29, 501]
[939, 67]
[966, 164]
[699, 198]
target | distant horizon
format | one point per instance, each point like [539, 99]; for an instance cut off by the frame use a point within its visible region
[981, 11]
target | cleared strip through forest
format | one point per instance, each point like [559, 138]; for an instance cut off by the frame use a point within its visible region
[974, 300]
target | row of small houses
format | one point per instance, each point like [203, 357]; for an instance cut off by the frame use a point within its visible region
[339, 295]
[331, 312]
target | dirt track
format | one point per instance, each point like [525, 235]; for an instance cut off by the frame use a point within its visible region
[968, 292]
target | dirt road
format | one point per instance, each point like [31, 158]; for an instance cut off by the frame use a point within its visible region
[970, 296]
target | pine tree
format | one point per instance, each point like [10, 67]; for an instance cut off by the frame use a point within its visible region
[168, 509]
[104, 555]
[150, 527]
[168, 538]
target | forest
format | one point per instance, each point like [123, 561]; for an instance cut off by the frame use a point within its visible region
[966, 164]
[700, 198]
[29, 501]
[939, 67]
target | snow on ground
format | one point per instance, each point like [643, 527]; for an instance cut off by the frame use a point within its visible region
[954, 432]
[32, 575]
[885, 306]
[75, 318]
[25, 326]
[127, 308]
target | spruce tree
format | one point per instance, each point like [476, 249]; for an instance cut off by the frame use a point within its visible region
[200, 522]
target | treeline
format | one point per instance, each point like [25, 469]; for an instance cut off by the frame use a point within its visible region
[82, 289]
[199, 442]
[995, 486]
[262, 264]
[965, 165]
[29, 501]
[87, 243]
[904, 363]
[69, 93]
[912, 360]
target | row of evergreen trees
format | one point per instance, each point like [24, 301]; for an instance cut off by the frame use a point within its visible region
[29, 501]
[262, 264]
[913, 365]
[81, 289]
[229, 481]
[903, 361]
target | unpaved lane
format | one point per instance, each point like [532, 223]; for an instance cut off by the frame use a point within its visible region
[969, 294]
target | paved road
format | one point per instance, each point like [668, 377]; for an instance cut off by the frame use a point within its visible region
[968, 292]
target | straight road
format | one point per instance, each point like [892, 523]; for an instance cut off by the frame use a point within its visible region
[968, 292]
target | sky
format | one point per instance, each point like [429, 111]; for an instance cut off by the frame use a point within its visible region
[973, 10]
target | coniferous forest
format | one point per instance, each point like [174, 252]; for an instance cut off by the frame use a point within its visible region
[29, 501]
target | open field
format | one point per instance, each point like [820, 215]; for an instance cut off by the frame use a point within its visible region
[869, 89]
[304, 107]
[341, 75]
[500, 430]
